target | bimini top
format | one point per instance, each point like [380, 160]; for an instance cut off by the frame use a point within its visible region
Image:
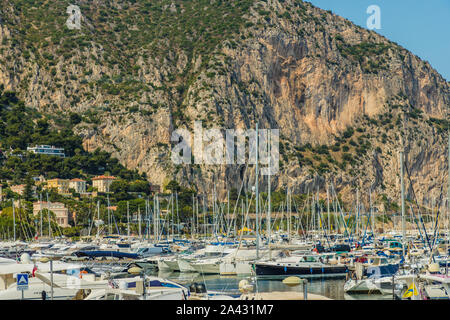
[376, 272]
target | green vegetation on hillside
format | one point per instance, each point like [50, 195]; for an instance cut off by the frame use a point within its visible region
[21, 127]
[123, 28]
[370, 56]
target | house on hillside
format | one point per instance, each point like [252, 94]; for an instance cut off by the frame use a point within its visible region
[18, 188]
[62, 185]
[48, 150]
[102, 183]
[58, 208]
[78, 185]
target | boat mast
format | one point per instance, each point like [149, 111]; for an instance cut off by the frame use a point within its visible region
[139, 221]
[48, 214]
[312, 227]
[40, 210]
[328, 212]
[154, 218]
[146, 219]
[128, 218]
[356, 228]
[257, 195]
[178, 216]
[402, 200]
[269, 209]
[14, 220]
[98, 217]
[288, 215]
[213, 228]
[158, 219]
[172, 210]
[193, 217]
[109, 216]
[448, 191]
[372, 218]
[228, 212]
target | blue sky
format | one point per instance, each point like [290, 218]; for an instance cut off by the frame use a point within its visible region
[420, 26]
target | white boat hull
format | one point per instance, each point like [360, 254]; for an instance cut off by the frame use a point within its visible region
[360, 286]
[173, 265]
[207, 268]
[163, 266]
[185, 266]
[235, 268]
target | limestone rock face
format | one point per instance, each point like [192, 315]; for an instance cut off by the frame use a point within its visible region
[292, 66]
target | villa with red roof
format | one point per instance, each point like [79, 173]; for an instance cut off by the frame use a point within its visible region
[78, 185]
[102, 183]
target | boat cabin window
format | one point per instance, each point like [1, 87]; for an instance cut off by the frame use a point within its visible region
[109, 296]
[395, 244]
[308, 259]
[213, 254]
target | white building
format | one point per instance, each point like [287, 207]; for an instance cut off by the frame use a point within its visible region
[102, 183]
[48, 150]
[78, 185]
[58, 208]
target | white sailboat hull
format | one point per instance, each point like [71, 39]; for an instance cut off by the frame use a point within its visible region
[185, 266]
[163, 266]
[207, 268]
[235, 268]
[360, 286]
[173, 265]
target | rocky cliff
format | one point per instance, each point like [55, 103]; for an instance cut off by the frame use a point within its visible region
[344, 98]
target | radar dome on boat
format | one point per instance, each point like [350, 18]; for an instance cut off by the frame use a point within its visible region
[25, 258]
[135, 270]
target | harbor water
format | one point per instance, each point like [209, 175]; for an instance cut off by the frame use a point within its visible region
[330, 288]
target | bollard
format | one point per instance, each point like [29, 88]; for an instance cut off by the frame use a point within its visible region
[393, 287]
[51, 277]
[143, 280]
[305, 289]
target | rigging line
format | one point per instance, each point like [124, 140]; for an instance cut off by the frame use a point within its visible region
[27, 224]
[322, 225]
[340, 209]
[21, 223]
[296, 210]
[117, 228]
[367, 225]
[437, 219]
[416, 222]
[417, 205]
[245, 219]
[434, 236]
[241, 187]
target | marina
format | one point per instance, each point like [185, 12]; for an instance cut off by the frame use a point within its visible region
[322, 251]
[202, 150]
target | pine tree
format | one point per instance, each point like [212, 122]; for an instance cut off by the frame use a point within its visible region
[28, 191]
